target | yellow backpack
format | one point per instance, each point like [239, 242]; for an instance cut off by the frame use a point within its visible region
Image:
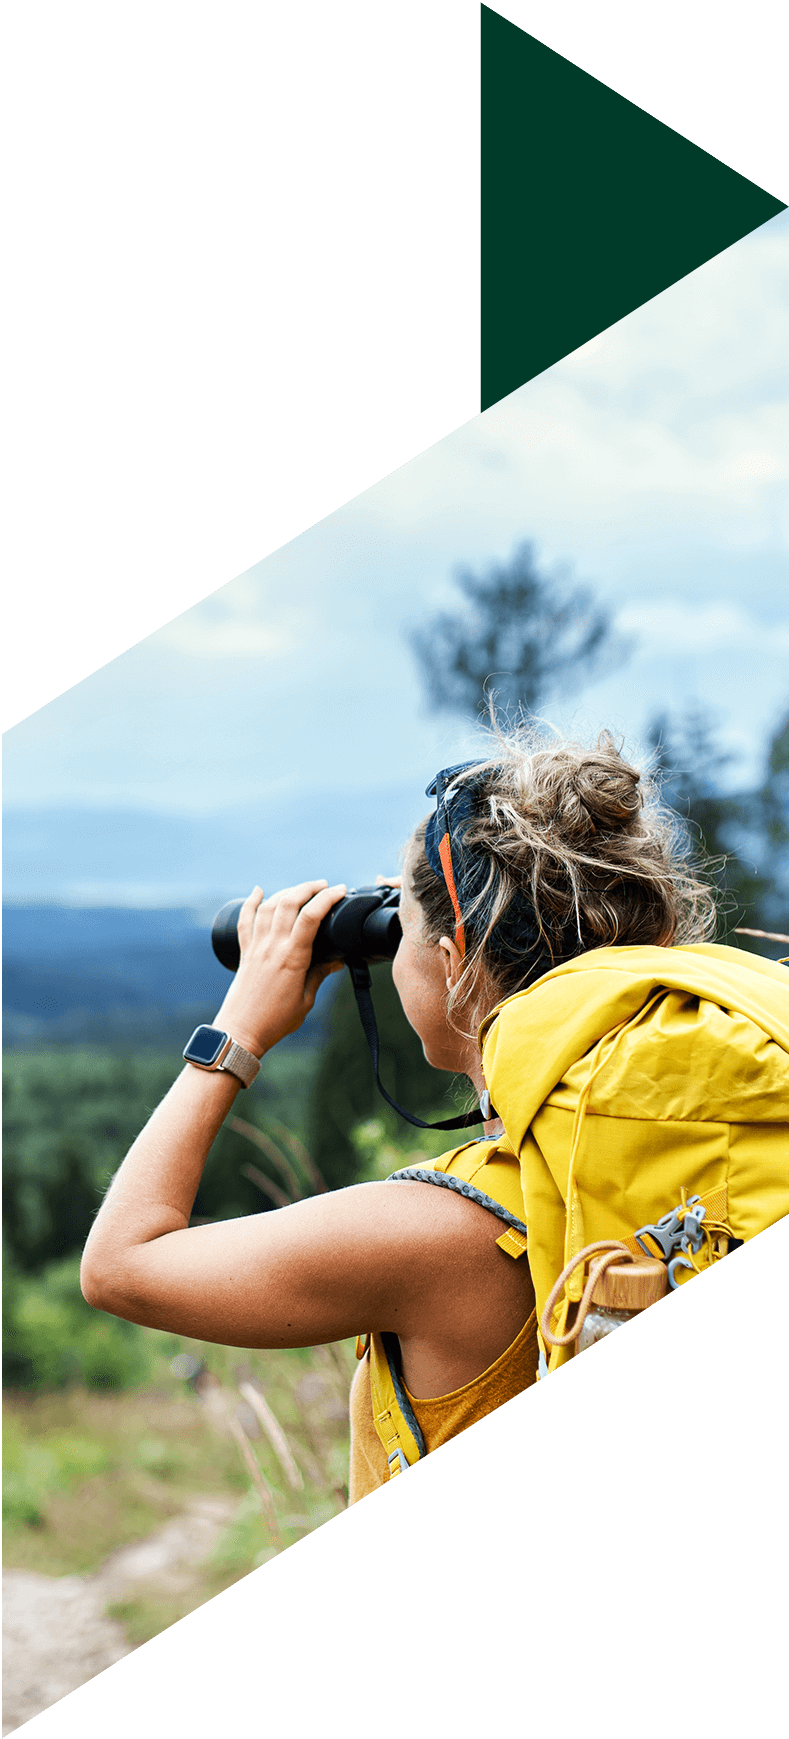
[643, 1091]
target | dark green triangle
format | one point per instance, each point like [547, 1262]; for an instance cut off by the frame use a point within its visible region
[589, 207]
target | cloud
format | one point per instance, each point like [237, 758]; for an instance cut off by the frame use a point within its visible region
[669, 625]
[206, 639]
[246, 619]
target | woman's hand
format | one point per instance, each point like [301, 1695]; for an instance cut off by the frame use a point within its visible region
[276, 985]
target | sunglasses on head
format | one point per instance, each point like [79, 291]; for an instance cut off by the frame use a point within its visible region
[438, 833]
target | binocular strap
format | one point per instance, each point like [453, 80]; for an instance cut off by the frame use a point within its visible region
[362, 986]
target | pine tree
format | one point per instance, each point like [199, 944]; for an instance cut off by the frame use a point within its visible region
[742, 834]
[519, 633]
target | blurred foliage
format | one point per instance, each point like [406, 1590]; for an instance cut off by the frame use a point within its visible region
[380, 1150]
[53, 1339]
[345, 1093]
[71, 1115]
[745, 833]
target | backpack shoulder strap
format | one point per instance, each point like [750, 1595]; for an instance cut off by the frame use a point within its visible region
[486, 1172]
[393, 1416]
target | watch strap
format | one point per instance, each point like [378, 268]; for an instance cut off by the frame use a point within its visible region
[240, 1063]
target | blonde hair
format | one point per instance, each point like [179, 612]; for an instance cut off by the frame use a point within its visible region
[576, 850]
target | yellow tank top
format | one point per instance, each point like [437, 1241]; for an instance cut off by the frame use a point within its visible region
[443, 1416]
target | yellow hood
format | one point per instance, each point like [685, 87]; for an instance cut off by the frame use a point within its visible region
[690, 1053]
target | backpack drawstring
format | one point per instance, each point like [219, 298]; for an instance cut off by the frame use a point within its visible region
[574, 1226]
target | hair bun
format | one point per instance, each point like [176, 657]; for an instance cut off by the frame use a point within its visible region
[608, 790]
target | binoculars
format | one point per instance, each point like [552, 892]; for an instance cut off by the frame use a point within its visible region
[364, 925]
[362, 929]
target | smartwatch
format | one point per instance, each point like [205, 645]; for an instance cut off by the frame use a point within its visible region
[210, 1048]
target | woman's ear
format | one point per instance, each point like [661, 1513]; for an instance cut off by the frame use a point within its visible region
[453, 961]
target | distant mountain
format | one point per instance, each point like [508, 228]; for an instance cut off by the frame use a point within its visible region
[114, 974]
[107, 911]
[69, 934]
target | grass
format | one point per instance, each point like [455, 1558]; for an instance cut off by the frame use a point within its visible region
[143, 1425]
[87, 1472]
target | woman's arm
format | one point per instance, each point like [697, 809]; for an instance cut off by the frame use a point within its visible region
[389, 1256]
[274, 989]
[422, 1262]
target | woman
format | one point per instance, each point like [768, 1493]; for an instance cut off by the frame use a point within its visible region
[547, 872]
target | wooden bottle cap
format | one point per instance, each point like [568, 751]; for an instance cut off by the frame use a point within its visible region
[629, 1285]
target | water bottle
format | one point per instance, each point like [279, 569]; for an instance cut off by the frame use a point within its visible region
[619, 1292]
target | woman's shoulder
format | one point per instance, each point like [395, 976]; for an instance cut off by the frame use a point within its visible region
[486, 1171]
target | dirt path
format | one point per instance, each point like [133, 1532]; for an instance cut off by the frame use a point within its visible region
[56, 1633]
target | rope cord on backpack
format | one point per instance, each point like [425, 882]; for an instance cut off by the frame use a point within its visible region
[616, 1252]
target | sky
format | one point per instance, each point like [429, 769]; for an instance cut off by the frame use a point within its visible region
[653, 463]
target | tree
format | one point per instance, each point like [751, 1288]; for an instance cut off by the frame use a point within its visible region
[744, 833]
[522, 632]
[775, 813]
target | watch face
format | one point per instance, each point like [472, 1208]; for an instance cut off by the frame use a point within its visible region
[206, 1044]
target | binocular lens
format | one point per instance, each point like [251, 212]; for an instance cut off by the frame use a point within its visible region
[224, 935]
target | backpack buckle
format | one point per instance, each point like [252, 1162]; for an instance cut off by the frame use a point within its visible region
[397, 1463]
[679, 1229]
